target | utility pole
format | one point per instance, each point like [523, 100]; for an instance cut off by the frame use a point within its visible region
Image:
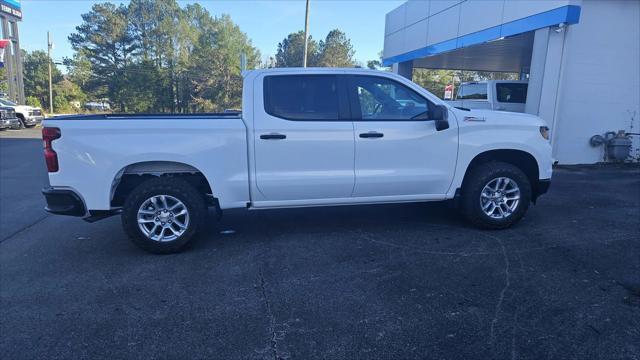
[306, 35]
[49, 47]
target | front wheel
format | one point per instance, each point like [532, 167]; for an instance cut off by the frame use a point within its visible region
[162, 215]
[23, 123]
[495, 195]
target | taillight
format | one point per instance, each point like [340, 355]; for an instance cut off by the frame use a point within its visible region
[51, 158]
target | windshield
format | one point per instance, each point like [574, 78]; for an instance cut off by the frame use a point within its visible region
[7, 102]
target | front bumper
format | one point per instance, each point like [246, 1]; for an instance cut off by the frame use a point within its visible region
[540, 188]
[63, 202]
[10, 123]
[33, 120]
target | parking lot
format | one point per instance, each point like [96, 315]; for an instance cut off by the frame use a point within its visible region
[388, 281]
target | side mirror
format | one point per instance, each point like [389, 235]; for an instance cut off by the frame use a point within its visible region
[440, 114]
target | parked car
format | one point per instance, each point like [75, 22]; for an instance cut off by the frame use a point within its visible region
[506, 95]
[97, 106]
[29, 116]
[8, 118]
[306, 137]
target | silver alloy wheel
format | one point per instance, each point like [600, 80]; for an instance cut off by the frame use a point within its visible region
[163, 218]
[500, 197]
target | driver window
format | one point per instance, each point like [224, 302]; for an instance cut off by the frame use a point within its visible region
[384, 99]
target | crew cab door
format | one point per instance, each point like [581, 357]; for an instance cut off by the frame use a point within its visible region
[399, 152]
[303, 138]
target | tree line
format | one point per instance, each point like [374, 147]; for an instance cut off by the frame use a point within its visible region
[156, 56]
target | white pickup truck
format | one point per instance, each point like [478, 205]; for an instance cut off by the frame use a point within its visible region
[505, 95]
[29, 116]
[305, 137]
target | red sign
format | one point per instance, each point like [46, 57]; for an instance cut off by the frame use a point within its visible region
[448, 92]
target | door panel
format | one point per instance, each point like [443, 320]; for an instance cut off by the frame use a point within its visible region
[411, 158]
[407, 155]
[310, 157]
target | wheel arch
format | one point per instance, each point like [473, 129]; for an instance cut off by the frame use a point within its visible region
[521, 159]
[132, 175]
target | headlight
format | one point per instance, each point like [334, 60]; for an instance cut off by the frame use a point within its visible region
[544, 131]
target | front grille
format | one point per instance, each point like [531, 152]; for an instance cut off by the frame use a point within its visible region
[36, 113]
[7, 114]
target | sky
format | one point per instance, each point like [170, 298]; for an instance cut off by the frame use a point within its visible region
[266, 22]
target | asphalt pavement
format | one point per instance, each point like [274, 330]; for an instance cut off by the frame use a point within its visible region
[358, 282]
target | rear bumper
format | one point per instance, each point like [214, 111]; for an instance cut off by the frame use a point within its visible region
[63, 202]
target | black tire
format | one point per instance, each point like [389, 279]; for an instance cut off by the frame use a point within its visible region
[475, 182]
[22, 121]
[177, 188]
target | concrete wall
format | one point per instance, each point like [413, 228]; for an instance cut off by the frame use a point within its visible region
[599, 87]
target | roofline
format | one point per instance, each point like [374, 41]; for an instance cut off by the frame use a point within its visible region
[314, 69]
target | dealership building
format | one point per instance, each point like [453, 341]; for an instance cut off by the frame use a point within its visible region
[581, 58]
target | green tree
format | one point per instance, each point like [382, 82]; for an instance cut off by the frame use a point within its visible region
[67, 97]
[291, 50]
[156, 56]
[336, 50]
[377, 64]
[214, 70]
[36, 75]
[156, 28]
[33, 101]
[4, 83]
[79, 69]
[106, 39]
[434, 80]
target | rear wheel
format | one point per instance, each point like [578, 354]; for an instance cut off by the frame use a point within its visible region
[495, 195]
[162, 215]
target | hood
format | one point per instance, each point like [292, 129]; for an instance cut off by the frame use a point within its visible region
[24, 108]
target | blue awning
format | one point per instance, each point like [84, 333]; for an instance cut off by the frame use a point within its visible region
[569, 14]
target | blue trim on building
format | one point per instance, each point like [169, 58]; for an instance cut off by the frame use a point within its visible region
[13, 3]
[569, 14]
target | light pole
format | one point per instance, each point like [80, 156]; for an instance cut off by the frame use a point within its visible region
[49, 47]
[306, 35]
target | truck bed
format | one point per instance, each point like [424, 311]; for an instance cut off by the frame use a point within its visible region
[153, 116]
[101, 147]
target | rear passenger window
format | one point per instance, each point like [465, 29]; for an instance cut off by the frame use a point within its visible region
[512, 93]
[301, 97]
[472, 92]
